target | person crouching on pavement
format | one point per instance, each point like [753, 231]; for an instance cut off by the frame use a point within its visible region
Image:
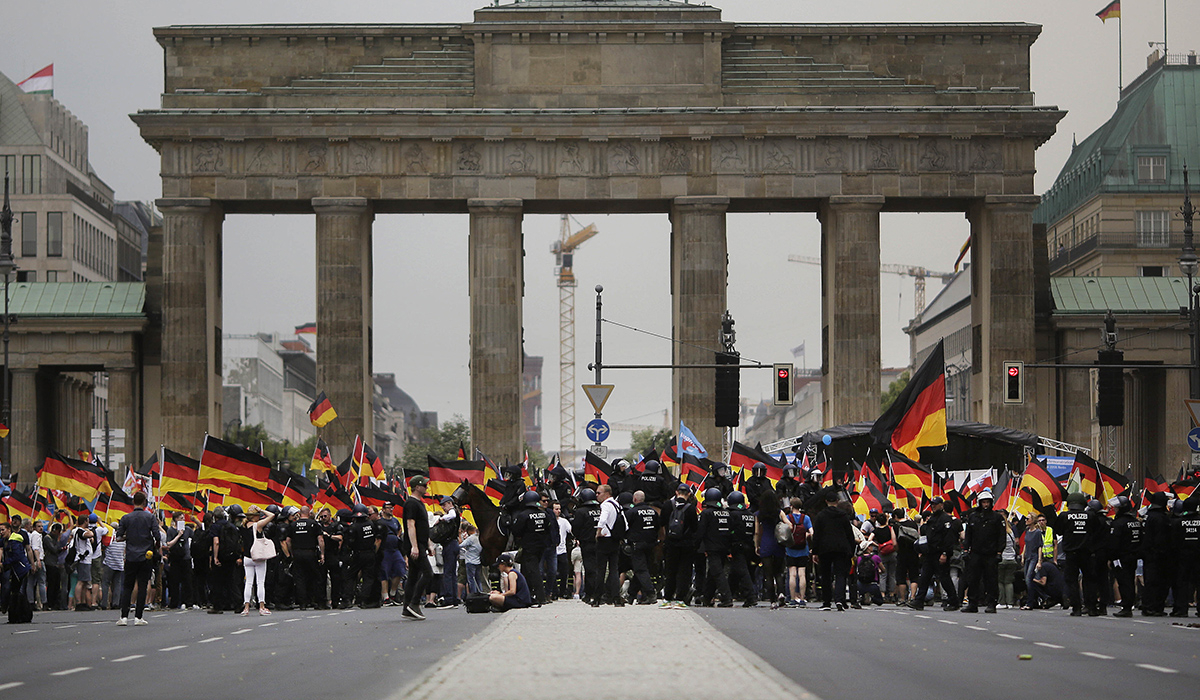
[513, 591]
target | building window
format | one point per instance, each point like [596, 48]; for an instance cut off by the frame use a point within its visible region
[1152, 271]
[51, 275]
[31, 174]
[1152, 228]
[8, 164]
[27, 275]
[1152, 168]
[54, 234]
[29, 234]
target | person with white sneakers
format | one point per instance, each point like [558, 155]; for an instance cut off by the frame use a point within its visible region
[140, 532]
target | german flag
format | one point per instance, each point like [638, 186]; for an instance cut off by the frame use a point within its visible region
[374, 496]
[694, 472]
[369, 465]
[595, 469]
[865, 474]
[1184, 488]
[74, 476]
[3, 430]
[494, 490]
[120, 504]
[180, 474]
[291, 489]
[462, 451]
[321, 411]
[321, 460]
[306, 328]
[917, 418]
[444, 477]
[669, 457]
[956, 503]
[334, 498]
[903, 498]
[1029, 501]
[871, 497]
[174, 502]
[1111, 10]
[1003, 490]
[744, 456]
[247, 496]
[1112, 484]
[1084, 472]
[223, 464]
[347, 473]
[1037, 478]
[911, 476]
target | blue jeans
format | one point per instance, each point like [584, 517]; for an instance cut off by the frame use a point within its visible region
[476, 579]
[450, 571]
[550, 572]
[1031, 596]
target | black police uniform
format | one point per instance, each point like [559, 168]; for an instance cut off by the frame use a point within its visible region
[583, 525]
[1125, 547]
[743, 555]
[179, 567]
[531, 530]
[715, 535]
[642, 537]
[514, 489]
[983, 541]
[654, 486]
[362, 576]
[941, 537]
[224, 576]
[755, 486]
[1186, 531]
[304, 539]
[1083, 533]
[333, 534]
[1158, 560]
[718, 482]
[679, 548]
[788, 488]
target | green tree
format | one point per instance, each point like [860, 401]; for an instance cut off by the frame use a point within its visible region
[282, 453]
[643, 439]
[441, 442]
[893, 391]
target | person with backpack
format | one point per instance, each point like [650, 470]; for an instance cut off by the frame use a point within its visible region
[15, 557]
[226, 559]
[770, 549]
[139, 531]
[796, 554]
[584, 522]
[610, 530]
[884, 538]
[908, 561]
[79, 560]
[679, 547]
[867, 570]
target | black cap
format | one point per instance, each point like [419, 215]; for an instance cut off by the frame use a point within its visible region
[937, 500]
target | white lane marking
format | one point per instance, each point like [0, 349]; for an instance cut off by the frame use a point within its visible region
[1144, 622]
[332, 614]
[1094, 655]
[1160, 669]
[1008, 636]
[977, 629]
[159, 615]
[923, 617]
[25, 632]
[69, 671]
[242, 631]
[65, 627]
[181, 646]
[899, 612]
[268, 624]
[294, 619]
[948, 622]
[123, 659]
[311, 617]
[16, 684]
[1048, 645]
[210, 639]
[101, 622]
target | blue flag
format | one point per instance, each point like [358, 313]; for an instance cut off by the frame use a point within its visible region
[689, 444]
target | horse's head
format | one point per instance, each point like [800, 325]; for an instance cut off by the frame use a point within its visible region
[462, 493]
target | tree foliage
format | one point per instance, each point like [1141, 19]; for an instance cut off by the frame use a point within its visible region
[282, 453]
[441, 442]
[893, 391]
[643, 439]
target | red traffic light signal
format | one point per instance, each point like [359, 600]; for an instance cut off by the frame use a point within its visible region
[1014, 371]
[785, 372]
[1014, 382]
[783, 385]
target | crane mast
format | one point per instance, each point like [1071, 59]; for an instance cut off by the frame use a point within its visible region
[564, 256]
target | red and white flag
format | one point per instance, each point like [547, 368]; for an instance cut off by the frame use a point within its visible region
[40, 83]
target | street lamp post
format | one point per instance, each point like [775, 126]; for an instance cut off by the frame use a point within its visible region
[1189, 264]
[7, 266]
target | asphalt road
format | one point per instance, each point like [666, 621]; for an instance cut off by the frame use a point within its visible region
[899, 653]
[352, 653]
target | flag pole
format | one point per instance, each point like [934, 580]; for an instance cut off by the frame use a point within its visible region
[1121, 59]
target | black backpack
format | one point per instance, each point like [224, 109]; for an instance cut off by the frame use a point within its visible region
[678, 520]
[231, 542]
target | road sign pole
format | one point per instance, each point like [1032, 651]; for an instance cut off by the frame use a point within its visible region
[599, 352]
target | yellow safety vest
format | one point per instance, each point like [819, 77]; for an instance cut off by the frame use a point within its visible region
[1048, 543]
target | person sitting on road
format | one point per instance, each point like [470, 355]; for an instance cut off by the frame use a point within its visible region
[513, 591]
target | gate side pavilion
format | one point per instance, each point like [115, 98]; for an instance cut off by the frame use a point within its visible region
[594, 106]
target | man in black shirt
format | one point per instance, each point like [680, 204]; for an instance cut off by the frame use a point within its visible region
[179, 563]
[715, 534]
[305, 542]
[139, 531]
[679, 546]
[531, 530]
[1083, 532]
[363, 538]
[583, 524]
[416, 531]
[983, 542]
[940, 535]
[1125, 548]
[642, 536]
[743, 549]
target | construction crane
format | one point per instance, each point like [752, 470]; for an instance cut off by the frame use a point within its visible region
[564, 258]
[917, 273]
[633, 427]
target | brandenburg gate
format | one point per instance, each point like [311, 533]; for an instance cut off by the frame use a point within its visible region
[594, 106]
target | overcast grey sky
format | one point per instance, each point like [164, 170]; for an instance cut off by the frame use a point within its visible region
[107, 65]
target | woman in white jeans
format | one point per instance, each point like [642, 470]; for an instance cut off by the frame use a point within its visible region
[255, 570]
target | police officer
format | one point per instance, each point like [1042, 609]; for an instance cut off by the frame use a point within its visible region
[560, 486]
[583, 524]
[742, 550]
[225, 568]
[1083, 533]
[1125, 548]
[715, 535]
[652, 483]
[1158, 560]
[718, 478]
[622, 479]
[1186, 530]
[940, 534]
[514, 488]
[329, 529]
[642, 538]
[756, 484]
[679, 545]
[788, 487]
[363, 540]
[531, 530]
[983, 542]
[305, 543]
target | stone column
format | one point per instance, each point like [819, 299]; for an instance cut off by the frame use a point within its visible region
[850, 334]
[497, 287]
[63, 412]
[191, 321]
[26, 455]
[121, 411]
[699, 277]
[344, 316]
[1002, 305]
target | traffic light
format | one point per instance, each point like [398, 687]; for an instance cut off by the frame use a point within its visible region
[783, 385]
[1014, 382]
[1110, 389]
[728, 390]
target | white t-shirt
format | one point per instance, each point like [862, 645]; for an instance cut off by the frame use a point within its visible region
[564, 529]
[98, 546]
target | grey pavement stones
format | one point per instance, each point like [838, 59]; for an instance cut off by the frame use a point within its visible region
[569, 650]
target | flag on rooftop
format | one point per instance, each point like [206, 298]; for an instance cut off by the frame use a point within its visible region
[40, 83]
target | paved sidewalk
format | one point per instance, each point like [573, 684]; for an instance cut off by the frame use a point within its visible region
[569, 650]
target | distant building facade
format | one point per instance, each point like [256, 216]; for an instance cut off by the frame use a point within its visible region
[531, 401]
[767, 423]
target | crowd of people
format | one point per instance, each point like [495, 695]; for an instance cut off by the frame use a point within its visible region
[642, 538]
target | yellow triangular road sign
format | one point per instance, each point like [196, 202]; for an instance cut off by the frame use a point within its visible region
[598, 394]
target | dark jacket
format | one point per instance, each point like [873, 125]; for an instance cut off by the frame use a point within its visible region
[941, 531]
[1125, 540]
[643, 524]
[985, 533]
[1158, 533]
[583, 525]
[832, 533]
[690, 521]
[531, 528]
[1081, 530]
[715, 530]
